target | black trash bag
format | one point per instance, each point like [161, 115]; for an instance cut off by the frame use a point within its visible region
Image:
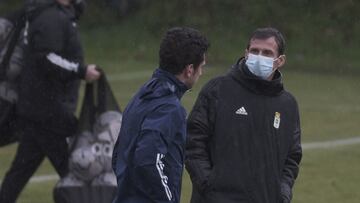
[90, 178]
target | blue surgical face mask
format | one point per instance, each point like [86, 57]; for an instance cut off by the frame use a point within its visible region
[260, 66]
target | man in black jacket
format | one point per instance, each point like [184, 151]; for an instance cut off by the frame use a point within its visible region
[244, 132]
[48, 94]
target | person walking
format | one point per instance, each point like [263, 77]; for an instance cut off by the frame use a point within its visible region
[48, 92]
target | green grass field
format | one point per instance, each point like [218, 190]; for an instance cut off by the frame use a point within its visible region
[330, 110]
[329, 103]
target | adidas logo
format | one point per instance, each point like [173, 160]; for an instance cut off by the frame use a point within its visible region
[241, 111]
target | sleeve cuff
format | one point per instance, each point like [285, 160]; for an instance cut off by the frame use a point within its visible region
[286, 193]
[82, 71]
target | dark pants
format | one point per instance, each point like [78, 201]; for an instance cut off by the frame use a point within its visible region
[35, 143]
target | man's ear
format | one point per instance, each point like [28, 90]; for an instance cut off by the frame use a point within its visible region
[280, 61]
[189, 70]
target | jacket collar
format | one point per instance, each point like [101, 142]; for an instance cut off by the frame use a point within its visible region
[175, 85]
[68, 10]
[241, 73]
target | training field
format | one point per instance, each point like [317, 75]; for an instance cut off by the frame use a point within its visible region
[330, 111]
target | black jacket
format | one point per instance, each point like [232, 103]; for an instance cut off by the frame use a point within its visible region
[54, 64]
[243, 140]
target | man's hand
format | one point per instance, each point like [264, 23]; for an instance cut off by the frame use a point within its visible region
[92, 73]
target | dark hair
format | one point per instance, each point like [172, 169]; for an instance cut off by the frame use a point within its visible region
[180, 47]
[265, 33]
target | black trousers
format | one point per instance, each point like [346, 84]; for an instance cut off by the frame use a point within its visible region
[35, 144]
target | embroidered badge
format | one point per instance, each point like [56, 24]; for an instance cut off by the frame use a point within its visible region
[277, 120]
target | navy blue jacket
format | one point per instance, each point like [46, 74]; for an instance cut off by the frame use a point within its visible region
[148, 156]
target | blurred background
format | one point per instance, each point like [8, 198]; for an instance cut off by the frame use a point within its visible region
[322, 71]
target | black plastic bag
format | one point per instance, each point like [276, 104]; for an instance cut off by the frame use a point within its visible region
[91, 179]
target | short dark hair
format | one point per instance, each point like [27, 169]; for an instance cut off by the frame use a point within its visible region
[180, 47]
[265, 33]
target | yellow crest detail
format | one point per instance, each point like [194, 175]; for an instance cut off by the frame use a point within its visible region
[277, 120]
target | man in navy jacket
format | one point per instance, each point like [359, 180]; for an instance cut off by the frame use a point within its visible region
[149, 153]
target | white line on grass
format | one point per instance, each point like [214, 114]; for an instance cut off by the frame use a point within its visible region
[43, 178]
[331, 144]
[305, 146]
